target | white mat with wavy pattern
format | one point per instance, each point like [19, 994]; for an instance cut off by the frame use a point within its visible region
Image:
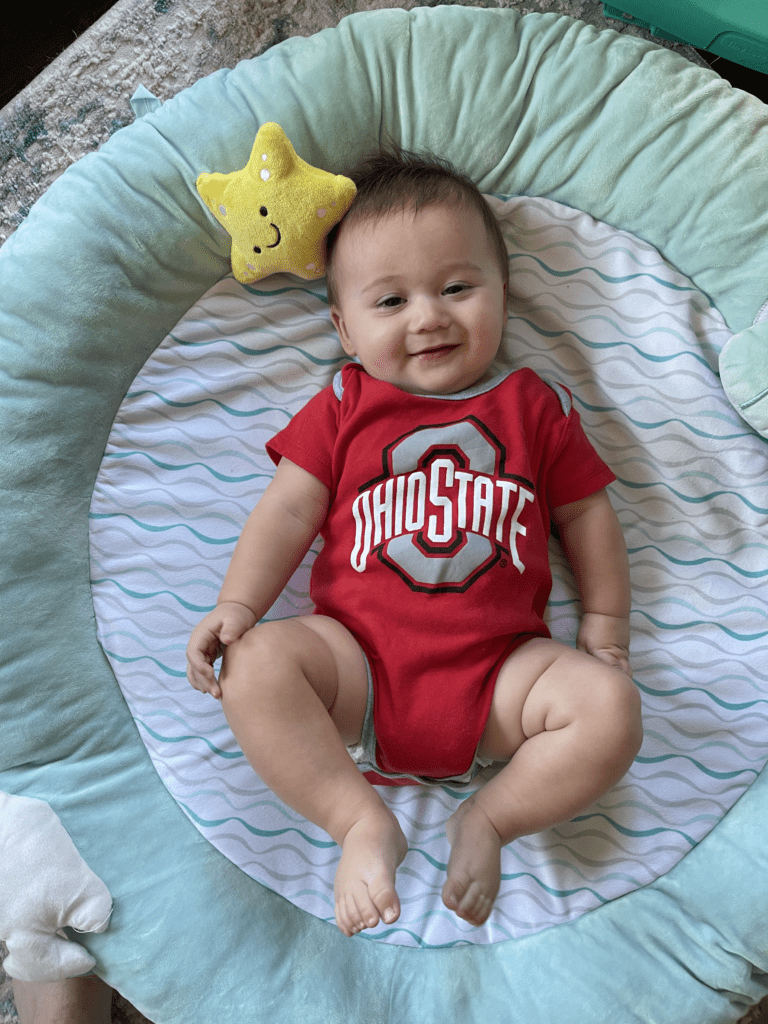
[590, 306]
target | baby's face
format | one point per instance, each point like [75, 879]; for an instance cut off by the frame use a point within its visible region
[421, 298]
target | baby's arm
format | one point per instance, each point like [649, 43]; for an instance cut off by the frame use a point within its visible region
[594, 546]
[275, 538]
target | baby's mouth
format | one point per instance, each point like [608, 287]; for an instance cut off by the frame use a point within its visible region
[435, 352]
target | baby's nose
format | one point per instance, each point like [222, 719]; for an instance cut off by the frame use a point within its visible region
[429, 314]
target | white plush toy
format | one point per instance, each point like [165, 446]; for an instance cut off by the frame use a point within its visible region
[46, 886]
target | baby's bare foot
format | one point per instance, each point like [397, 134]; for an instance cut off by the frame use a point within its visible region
[365, 893]
[474, 867]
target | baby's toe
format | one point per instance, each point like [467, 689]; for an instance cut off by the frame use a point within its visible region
[452, 895]
[356, 911]
[456, 888]
[347, 918]
[386, 903]
[466, 898]
[475, 907]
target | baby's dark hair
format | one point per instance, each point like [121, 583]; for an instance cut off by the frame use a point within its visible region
[395, 180]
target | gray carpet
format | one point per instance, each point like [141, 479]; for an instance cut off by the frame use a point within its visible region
[81, 99]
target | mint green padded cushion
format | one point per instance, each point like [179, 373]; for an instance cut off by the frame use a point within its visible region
[107, 262]
[744, 373]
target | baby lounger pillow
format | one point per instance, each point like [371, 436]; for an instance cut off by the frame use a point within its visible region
[590, 306]
[556, 110]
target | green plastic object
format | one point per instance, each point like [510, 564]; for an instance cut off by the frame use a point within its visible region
[737, 30]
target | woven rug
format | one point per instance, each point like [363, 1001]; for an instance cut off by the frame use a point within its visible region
[83, 97]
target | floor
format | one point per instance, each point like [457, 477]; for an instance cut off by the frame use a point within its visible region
[740, 77]
[30, 44]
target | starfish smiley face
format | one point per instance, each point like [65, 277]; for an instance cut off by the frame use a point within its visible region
[277, 209]
[268, 245]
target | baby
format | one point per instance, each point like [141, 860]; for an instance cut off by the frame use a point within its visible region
[433, 476]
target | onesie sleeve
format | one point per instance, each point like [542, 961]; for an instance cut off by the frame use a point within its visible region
[576, 470]
[309, 438]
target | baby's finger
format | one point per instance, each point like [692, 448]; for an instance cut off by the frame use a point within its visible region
[199, 670]
[214, 689]
[205, 683]
[198, 665]
[617, 660]
[194, 678]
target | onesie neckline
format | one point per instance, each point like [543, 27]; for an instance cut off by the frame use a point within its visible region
[500, 374]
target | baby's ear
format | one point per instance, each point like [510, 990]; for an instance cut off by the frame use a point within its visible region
[341, 330]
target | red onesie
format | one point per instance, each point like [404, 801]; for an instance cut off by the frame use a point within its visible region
[435, 546]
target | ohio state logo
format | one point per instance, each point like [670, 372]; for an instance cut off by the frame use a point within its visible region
[444, 511]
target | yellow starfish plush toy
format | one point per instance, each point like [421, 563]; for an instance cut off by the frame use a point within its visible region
[278, 209]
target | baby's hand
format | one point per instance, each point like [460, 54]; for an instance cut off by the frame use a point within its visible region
[606, 637]
[225, 624]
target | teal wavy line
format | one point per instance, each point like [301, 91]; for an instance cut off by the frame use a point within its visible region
[664, 423]
[561, 893]
[602, 276]
[707, 771]
[316, 894]
[438, 864]
[165, 507]
[745, 637]
[146, 657]
[584, 244]
[653, 424]
[679, 602]
[647, 356]
[584, 866]
[247, 350]
[183, 739]
[416, 938]
[202, 401]
[643, 485]
[164, 443]
[600, 345]
[653, 811]
[140, 639]
[319, 294]
[728, 706]
[758, 574]
[262, 833]
[183, 466]
[638, 833]
[696, 542]
[162, 529]
[156, 593]
[223, 796]
[703, 741]
[747, 676]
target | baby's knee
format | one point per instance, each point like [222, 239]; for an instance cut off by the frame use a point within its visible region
[255, 658]
[619, 711]
[246, 645]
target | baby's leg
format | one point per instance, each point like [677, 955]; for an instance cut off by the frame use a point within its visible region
[571, 726]
[294, 693]
[69, 1001]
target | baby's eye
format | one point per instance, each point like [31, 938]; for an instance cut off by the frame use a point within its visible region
[389, 302]
[455, 289]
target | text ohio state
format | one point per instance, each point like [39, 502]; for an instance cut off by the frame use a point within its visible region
[438, 502]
